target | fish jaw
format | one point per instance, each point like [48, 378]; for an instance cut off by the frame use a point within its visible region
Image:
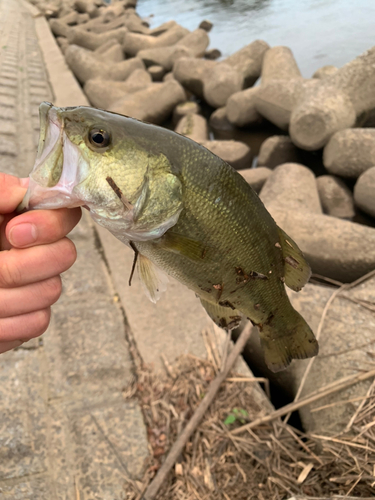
[58, 166]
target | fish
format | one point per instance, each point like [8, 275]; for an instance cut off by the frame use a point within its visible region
[184, 212]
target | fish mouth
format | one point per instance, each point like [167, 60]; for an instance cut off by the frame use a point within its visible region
[55, 172]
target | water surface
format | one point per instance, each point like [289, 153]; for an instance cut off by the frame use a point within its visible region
[319, 32]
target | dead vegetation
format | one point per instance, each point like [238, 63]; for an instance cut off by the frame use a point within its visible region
[266, 460]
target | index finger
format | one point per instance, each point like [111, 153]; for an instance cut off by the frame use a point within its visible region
[12, 190]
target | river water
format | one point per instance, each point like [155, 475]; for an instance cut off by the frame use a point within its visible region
[319, 32]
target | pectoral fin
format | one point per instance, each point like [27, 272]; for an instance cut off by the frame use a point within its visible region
[153, 279]
[182, 245]
[225, 317]
[297, 269]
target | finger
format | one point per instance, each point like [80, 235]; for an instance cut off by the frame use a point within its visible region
[25, 326]
[29, 298]
[7, 346]
[39, 227]
[12, 191]
[31, 265]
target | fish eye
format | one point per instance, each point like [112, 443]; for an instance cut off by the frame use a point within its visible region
[99, 138]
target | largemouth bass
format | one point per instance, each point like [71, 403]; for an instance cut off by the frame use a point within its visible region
[184, 212]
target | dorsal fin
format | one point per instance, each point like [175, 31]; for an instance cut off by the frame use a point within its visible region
[297, 269]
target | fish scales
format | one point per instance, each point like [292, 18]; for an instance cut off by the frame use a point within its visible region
[234, 229]
[182, 210]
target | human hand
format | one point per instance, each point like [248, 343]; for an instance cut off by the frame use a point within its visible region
[33, 253]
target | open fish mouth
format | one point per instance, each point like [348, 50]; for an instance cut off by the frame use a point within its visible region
[55, 172]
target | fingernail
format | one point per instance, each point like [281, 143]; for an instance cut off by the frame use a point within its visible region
[23, 235]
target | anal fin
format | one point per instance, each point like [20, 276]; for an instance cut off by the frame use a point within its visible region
[297, 269]
[224, 317]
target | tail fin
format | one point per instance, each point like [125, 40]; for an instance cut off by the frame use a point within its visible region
[286, 336]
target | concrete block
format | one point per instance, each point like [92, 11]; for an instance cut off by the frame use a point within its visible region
[86, 66]
[236, 153]
[240, 108]
[153, 104]
[335, 197]
[276, 150]
[324, 72]
[279, 64]
[92, 41]
[364, 192]
[350, 152]
[292, 187]
[256, 177]
[193, 126]
[184, 109]
[134, 42]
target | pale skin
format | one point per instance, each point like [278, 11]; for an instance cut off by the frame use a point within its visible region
[34, 251]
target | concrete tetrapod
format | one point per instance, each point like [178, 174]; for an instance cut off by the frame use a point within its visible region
[63, 43]
[102, 93]
[112, 54]
[183, 109]
[112, 11]
[86, 6]
[222, 81]
[240, 108]
[248, 61]
[364, 192]
[193, 44]
[276, 99]
[292, 185]
[238, 71]
[350, 152]
[276, 150]
[220, 124]
[86, 66]
[256, 177]
[278, 64]
[191, 73]
[235, 153]
[336, 248]
[162, 28]
[69, 18]
[153, 104]
[92, 41]
[325, 71]
[314, 110]
[58, 27]
[335, 197]
[99, 27]
[216, 82]
[156, 72]
[193, 126]
[135, 24]
[163, 56]
[134, 42]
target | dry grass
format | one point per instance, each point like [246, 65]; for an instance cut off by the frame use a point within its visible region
[272, 461]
